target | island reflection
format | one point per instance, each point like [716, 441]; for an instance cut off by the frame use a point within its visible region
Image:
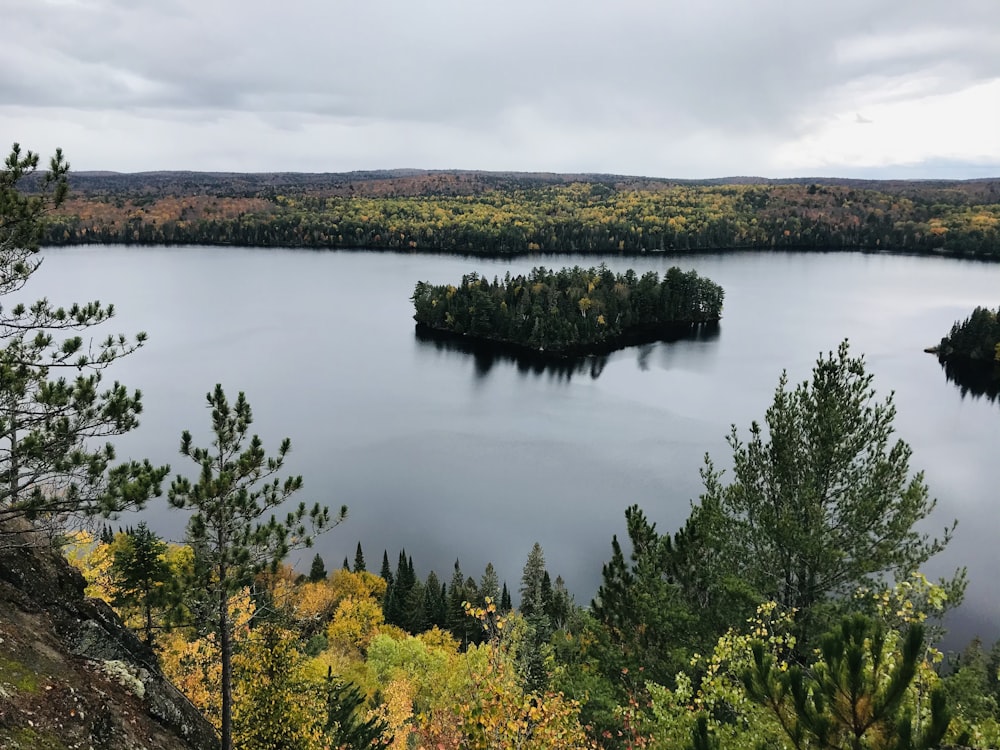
[487, 354]
[978, 379]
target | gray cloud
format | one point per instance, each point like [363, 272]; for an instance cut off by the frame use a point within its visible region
[482, 85]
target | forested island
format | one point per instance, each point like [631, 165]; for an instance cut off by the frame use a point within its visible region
[490, 214]
[572, 311]
[970, 353]
[975, 339]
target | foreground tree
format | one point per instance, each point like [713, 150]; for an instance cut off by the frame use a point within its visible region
[854, 697]
[230, 531]
[822, 501]
[53, 410]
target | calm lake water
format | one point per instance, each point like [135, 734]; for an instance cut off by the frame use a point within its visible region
[451, 454]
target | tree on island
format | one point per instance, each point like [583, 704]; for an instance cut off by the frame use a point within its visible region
[229, 530]
[54, 412]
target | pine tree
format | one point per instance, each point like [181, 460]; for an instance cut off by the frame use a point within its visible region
[505, 603]
[386, 573]
[560, 606]
[435, 603]
[821, 501]
[641, 606]
[458, 621]
[232, 529]
[398, 595]
[532, 582]
[854, 697]
[489, 585]
[317, 571]
[533, 607]
[345, 722]
[359, 560]
[416, 619]
[54, 412]
[142, 579]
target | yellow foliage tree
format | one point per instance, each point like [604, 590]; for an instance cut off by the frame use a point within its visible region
[274, 706]
[92, 558]
[355, 623]
[494, 711]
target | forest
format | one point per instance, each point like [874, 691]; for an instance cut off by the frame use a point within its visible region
[970, 353]
[571, 311]
[788, 611]
[975, 339]
[491, 214]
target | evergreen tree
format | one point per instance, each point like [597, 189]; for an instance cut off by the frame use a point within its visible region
[547, 594]
[317, 571]
[505, 603]
[229, 529]
[398, 595]
[346, 565]
[560, 606]
[854, 697]
[143, 581]
[489, 585]
[533, 607]
[386, 573]
[657, 606]
[345, 722]
[53, 409]
[971, 686]
[822, 501]
[435, 604]
[532, 578]
[359, 560]
[458, 621]
[416, 619]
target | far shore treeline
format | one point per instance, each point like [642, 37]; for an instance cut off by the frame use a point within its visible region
[571, 311]
[490, 214]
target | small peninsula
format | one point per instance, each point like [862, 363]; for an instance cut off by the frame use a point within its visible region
[975, 339]
[570, 312]
[970, 353]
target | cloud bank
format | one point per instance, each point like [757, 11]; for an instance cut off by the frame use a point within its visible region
[671, 89]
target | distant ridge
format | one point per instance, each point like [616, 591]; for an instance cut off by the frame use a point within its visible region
[468, 182]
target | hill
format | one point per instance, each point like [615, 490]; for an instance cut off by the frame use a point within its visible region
[506, 213]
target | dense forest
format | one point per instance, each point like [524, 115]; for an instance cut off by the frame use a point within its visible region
[976, 339]
[788, 611]
[503, 214]
[571, 311]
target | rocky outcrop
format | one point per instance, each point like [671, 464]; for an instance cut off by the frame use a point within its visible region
[71, 675]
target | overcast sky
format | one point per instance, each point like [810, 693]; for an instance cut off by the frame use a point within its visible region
[666, 88]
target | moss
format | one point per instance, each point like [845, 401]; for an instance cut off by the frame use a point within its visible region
[24, 738]
[18, 676]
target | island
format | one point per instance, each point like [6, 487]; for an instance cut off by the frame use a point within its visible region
[570, 312]
[970, 353]
[975, 339]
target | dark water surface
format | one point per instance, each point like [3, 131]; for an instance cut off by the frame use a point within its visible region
[456, 453]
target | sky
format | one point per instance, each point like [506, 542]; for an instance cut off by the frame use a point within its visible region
[660, 88]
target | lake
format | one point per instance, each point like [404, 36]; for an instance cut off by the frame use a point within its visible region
[455, 454]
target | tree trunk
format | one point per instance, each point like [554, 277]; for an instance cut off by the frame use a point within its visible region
[226, 649]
